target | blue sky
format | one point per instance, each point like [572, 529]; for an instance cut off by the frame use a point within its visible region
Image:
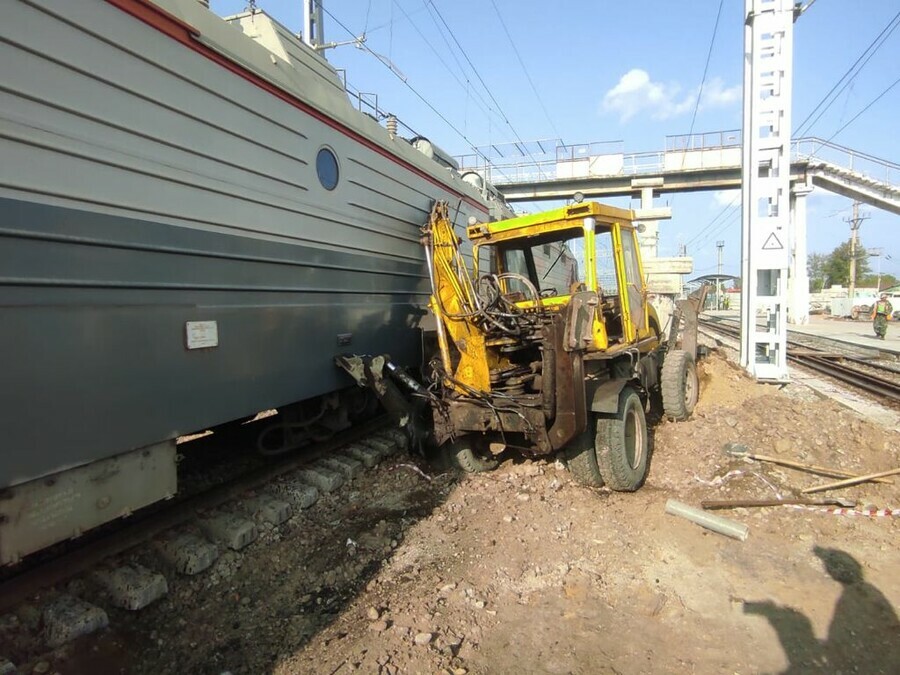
[615, 71]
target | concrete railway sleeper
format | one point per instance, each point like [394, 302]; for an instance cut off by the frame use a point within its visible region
[228, 518]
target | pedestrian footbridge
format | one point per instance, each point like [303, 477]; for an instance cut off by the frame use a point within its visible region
[551, 170]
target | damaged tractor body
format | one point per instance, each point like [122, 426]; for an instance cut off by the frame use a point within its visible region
[545, 342]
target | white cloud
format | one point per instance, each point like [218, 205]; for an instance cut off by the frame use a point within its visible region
[636, 92]
[717, 95]
[724, 198]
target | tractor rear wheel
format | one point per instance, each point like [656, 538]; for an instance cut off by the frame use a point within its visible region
[581, 457]
[680, 385]
[622, 445]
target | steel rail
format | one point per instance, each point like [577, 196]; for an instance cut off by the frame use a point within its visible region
[125, 535]
[853, 376]
[831, 367]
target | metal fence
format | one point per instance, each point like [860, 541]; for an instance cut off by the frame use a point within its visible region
[527, 170]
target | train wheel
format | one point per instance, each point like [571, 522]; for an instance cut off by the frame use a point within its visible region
[622, 445]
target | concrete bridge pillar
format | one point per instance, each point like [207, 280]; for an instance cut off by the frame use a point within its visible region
[798, 276]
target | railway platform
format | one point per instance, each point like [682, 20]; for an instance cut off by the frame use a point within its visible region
[861, 372]
[856, 333]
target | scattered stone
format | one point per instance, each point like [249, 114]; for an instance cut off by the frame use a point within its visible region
[132, 586]
[29, 615]
[270, 509]
[373, 614]
[378, 626]
[323, 479]
[346, 466]
[231, 529]
[423, 638]
[66, 618]
[187, 552]
[41, 667]
[507, 519]
[370, 457]
[7, 667]
[523, 497]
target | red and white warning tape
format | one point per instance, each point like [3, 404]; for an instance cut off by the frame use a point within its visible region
[841, 511]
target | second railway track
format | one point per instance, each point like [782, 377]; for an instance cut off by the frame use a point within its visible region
[846, 368]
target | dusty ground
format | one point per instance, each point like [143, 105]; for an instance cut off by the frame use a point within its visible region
[523, 571]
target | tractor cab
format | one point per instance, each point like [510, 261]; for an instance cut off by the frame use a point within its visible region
[541, 261]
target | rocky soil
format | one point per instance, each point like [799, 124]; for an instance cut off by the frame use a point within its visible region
[523, 571]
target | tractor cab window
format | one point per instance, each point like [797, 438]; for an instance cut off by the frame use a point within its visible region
[553, 267]
[634, 284]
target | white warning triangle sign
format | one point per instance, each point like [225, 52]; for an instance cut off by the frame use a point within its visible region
[772, 243]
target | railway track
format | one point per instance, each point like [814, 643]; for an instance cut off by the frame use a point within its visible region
[79, 557]
[846, 368]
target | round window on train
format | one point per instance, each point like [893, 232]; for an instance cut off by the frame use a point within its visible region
[327, 168]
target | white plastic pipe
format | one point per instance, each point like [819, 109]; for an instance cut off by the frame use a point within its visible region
[702, 518]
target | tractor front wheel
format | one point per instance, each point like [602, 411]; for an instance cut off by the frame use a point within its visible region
[466, 458]
[622, 444]
[680, 385]
[581, 458]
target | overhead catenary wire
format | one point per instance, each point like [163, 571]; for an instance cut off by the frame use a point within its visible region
[482, 105]
[490, 94]
[731, 205]
[712, 42]
[824, 104]
[405, 81]
[515, 49]
[869, 105]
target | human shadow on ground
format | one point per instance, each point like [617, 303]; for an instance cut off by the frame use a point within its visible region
[864, 635]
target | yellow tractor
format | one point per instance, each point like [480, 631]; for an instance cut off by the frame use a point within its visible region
[545, 342]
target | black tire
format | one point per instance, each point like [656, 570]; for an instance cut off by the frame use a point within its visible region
[467, 459]
[581, 458]
[622, 444]
[680, 385]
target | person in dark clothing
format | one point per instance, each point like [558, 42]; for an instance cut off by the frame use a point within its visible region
[881, 314]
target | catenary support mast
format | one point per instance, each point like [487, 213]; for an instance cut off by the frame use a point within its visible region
[765, 236]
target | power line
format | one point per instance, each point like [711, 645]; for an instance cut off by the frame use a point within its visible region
[730, 205]
[470, 89]
[486, 88]
[483, 106]
[712, 41]
[864, 57]
[409, 86]
[870, 104]
[525, 70]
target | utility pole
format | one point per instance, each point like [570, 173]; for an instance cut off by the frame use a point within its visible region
[877, 253]
[855, 223]
[720, 246]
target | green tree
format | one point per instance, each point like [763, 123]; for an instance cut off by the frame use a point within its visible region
[815, 268]
[887, 280]
[837, 265]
